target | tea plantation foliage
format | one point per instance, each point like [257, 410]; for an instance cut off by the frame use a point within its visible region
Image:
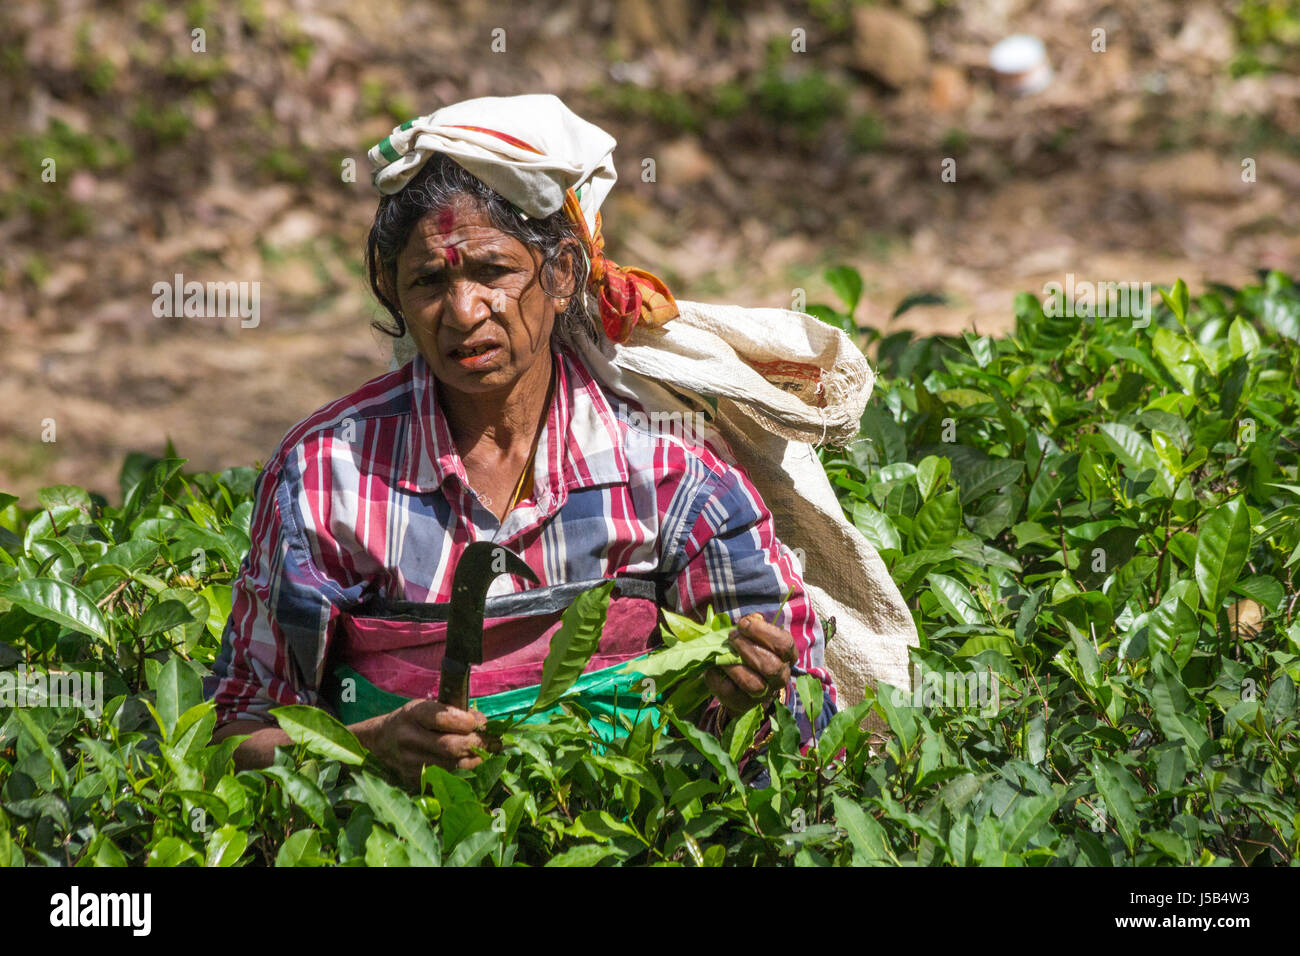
[1092, 521]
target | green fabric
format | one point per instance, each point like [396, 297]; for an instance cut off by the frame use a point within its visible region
[603, 693]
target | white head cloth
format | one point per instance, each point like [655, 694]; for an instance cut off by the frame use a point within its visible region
[572, 153]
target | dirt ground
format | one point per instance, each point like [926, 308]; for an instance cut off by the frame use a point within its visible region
[1076, 180]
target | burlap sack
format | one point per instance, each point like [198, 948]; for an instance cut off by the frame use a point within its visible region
[774, 383]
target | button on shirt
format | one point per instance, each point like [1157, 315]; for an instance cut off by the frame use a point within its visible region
[368, 496]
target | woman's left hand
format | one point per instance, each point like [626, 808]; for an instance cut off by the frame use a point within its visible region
[766, 653]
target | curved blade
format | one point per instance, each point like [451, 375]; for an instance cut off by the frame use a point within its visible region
[477, 569]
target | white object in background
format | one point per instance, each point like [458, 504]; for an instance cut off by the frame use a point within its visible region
[1020, 62]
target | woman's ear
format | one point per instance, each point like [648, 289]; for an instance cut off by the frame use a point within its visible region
[562, 272]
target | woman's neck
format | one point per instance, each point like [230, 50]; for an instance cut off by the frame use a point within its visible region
[500, 422]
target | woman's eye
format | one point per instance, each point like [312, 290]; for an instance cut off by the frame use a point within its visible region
[486, 272]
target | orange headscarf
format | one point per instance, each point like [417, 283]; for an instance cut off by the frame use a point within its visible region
[626, 295]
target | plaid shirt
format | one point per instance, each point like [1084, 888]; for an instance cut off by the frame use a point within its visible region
[369, 496]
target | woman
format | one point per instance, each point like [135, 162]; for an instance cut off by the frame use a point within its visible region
[486, 246]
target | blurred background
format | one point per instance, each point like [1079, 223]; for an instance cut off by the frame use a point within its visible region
[139, 140]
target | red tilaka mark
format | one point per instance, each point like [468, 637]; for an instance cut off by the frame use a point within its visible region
[446, 222]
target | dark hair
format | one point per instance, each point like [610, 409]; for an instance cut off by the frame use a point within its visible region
[438, 184]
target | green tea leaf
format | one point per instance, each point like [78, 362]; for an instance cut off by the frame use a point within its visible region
[870, 843]
[1136, 452]
[303, 792]
[1169, 843]
[988, 476]
[172, 851]
[462, 814]
[226, 845]
[397, 810]
[938, 521]
[1176, 299]
[320, 733]
[1178, 357]
[60, 602]
[932, 474]
[1266, 591]
[218, 597]
[895, 708]
[1114, 783]
[741, 732]
[1086, 655]
[711, 748]
[585, 854]
[473, 848]
[1174, 625]
[58, 496]
[847, 284]
[384, 849]
[1222, 546]
[150, 489]
[955, 598]
[163, 616]
[40, 737]
[178, 689]
[573, 644]
[669, 663]
[1028, 817]
[302, 848]
[1175, 711]
[811, 695]
[876, 527]
[843, 731]
[1057, 481]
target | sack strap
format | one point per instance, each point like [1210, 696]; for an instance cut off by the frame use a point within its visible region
[533, 602]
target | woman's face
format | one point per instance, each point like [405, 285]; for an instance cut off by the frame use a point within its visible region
[472, 300]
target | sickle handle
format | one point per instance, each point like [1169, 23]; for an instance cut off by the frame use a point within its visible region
[453, 686]
[480, 564]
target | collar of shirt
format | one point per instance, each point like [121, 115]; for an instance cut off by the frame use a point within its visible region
[588, 452]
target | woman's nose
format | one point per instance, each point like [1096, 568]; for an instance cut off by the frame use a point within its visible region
[468, 304]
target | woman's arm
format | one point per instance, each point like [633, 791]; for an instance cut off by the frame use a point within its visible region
[418, 733]
[734, 562]
[259, 749]
[283, 612]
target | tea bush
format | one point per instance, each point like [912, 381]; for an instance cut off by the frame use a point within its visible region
[1094, 524]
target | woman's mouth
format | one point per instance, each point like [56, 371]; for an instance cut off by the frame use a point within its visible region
[473, 357]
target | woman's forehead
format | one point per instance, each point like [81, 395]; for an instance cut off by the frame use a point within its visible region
[460, 217]
[465, 227]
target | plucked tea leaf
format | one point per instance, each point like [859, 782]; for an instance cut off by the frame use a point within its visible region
[573, 644]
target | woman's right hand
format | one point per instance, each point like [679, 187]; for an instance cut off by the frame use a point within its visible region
[423, 732]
